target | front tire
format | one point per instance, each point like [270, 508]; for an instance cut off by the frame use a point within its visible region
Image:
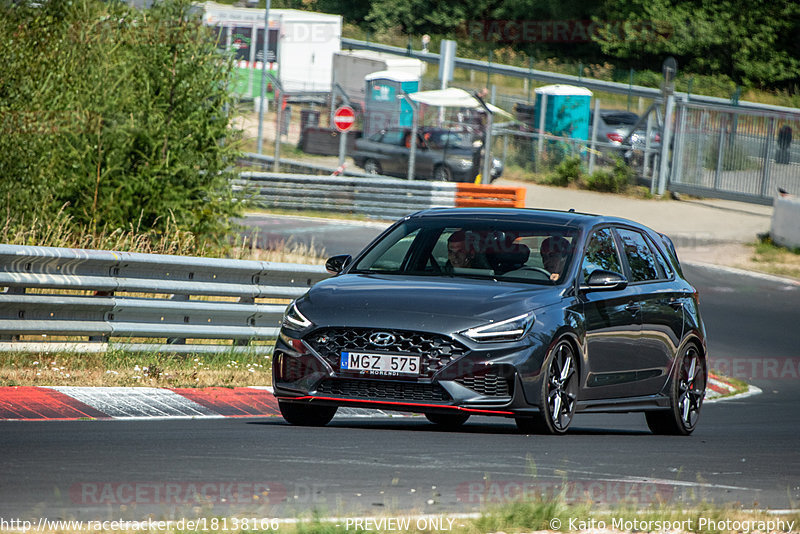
[442, 173]
[687, 390]
[306, 414]
[447, 421]
[558, 395]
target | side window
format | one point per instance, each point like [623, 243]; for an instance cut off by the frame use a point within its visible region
[666, 268]
[601, 253]
[393, 137]
[640, 257]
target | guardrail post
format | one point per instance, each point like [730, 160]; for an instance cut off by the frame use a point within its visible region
[179, 340]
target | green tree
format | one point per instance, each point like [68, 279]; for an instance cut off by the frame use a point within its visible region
[755, 43]
[116, 115]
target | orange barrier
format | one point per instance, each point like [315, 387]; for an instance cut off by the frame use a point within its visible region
[489, 196]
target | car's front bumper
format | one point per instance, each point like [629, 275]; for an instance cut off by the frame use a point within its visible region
[480, 381]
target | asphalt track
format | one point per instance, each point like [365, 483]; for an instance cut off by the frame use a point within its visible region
[744, 451]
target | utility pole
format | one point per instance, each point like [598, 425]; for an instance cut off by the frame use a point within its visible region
[264, 49]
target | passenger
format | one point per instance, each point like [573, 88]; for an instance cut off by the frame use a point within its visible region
[554, 251]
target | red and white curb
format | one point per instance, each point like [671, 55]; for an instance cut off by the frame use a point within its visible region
[718, 389]
[66, 403]
[69, 403]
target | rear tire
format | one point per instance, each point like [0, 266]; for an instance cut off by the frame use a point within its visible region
[306, 414]
[687, 390]
[447, 421]
[372, 167]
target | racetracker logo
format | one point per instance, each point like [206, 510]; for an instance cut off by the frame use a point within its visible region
[766, 368]
[213, 492]
[572, 491]
[562, 31]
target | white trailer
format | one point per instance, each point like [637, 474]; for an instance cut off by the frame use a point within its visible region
[301, 45]
[351, 67]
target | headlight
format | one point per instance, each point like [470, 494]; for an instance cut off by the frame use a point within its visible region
[294, 319]
[461, 163]
[509, 330]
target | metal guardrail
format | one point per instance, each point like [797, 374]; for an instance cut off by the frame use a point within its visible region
[56, 298]
[379, 197]
[265, 163]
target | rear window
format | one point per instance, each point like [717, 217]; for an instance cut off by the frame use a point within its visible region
[620, 119]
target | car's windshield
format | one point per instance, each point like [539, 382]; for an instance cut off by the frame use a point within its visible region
[518, 251]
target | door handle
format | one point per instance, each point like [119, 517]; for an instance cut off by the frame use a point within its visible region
[675, 304]
[633, 307]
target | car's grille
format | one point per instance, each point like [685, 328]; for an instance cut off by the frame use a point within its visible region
[383, 390]
[489, 385]
[435, 350]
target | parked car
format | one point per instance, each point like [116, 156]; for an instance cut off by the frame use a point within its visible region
[441, 154]
[527, 314]
[613, 128]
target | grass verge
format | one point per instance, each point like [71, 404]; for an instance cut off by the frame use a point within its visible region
[120, 368]
[774, 259]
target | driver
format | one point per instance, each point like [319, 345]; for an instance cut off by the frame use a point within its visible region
[554, 251]
[462, 251]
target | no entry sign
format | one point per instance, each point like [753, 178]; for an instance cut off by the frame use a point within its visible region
[344, 118]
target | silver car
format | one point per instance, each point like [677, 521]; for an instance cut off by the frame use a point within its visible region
[615, 125]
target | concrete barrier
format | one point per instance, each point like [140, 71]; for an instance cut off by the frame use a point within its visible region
[785, 229]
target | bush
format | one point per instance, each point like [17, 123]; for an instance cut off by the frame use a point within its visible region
[569, 171]
[616, 180]
[116, 116]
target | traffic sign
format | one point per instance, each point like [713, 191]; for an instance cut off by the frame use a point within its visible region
[344, 118]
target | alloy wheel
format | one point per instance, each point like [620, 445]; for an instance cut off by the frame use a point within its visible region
[561, 387]
[691, 388]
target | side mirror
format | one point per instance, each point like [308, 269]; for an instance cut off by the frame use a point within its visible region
[336, 264]
[601, 280]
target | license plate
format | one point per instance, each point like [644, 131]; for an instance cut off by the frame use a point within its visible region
[382, 364]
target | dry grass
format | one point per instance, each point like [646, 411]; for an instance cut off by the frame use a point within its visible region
[772, 259]
[60, 232]
[117, 368]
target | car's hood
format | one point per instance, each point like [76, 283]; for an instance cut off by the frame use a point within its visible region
[442, 304]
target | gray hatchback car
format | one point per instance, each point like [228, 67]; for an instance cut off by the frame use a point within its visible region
[441, 154]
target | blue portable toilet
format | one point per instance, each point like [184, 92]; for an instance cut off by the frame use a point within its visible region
[383, 107]
[567, 110]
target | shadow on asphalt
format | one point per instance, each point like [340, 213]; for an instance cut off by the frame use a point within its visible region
[469, 428]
